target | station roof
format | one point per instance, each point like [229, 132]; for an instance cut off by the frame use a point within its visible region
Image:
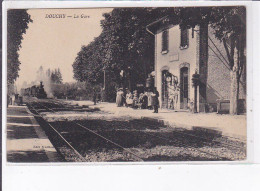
[161, 24]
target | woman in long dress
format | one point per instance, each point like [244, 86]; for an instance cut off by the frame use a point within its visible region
[119, 97]
[135, 99]
[149, 99]
[129, 99]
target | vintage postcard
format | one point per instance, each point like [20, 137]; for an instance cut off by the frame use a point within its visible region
[126, 84]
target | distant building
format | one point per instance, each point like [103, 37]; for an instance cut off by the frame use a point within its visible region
[181, 52]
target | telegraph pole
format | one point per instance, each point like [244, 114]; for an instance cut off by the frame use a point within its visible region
[195, 83]
[104, 78]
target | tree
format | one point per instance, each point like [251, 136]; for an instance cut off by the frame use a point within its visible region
[127, 44]
[88, 65]
[56, 76]
[124, 44]
[59, 76]
[17, 23]
[229, 24]
[48, 73]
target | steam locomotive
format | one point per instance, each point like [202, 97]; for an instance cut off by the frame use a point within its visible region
[35, 91]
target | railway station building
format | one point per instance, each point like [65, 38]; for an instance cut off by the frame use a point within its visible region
[179, 53]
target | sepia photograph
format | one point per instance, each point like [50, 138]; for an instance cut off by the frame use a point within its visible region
[126, 84]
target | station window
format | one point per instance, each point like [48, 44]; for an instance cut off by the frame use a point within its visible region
[165, 41]
[184, 39]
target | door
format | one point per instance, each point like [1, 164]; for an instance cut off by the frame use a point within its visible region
[164, 90]
[184, 88]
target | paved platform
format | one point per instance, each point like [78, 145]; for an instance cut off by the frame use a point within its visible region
[228, 125]
[26, 140]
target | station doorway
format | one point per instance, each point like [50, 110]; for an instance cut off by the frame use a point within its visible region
[165, 93]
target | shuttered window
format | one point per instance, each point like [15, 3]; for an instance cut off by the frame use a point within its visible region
[165, 41]
[184, 38]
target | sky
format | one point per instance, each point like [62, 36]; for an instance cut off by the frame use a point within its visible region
[55, 42]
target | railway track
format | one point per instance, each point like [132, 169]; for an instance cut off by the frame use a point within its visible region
[82, 158]
[62, 145]
[177, 140]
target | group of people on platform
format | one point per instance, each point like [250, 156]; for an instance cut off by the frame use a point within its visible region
[146, 100]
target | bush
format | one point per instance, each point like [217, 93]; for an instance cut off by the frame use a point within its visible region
[75, 91]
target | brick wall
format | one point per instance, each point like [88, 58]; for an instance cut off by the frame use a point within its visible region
[205, 53]
[218, 82]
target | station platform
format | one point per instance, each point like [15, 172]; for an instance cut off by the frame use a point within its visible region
[234, 126]
[26, 140]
